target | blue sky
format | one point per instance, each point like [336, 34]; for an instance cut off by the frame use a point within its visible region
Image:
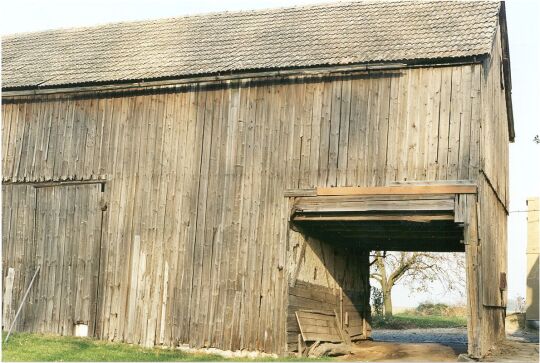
[524, 32]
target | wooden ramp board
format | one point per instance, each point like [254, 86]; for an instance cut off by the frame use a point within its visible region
[318, 325]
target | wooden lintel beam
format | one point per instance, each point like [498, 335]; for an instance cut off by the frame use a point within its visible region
[399, 190]
[375, 217]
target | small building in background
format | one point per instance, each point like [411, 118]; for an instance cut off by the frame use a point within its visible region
[533, 242]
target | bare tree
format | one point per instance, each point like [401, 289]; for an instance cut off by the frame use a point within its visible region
[417, 269]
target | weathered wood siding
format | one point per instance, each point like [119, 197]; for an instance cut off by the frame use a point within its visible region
[195, 233]
[493, 198]
[58, 228]
[329, 277]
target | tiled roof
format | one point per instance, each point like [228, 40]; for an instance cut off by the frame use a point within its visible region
[317, 35]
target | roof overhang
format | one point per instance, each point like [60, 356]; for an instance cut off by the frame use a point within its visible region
[156, 85]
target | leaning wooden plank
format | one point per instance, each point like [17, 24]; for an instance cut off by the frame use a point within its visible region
[294, 274]
[332, 338]
[342, 332]
[22, 303]
[400, 190]
[312, 332]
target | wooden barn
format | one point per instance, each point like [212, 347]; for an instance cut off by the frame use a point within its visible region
[212, 180]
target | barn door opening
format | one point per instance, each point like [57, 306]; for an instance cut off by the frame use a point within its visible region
[68, 230]
[351, 222]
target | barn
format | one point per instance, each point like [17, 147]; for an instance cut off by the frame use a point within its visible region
[212, 180]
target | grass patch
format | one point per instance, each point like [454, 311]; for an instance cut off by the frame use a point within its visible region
[409, 321]
[26, 347]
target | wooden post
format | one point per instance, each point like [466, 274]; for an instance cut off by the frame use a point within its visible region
[472, 273]
[8, 295]
[341, 308]
[299, 345]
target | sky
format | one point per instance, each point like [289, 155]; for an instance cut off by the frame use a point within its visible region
[524, 34]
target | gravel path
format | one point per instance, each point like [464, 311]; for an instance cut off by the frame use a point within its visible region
[519, 346]
[448, 336]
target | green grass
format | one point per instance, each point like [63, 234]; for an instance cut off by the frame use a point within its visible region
[409, 321]
[28, 347]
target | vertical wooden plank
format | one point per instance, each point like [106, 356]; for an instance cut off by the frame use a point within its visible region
[422, 125]
[7, 310]
[315, 130]
[381, 136]
[324, 148]
[333, 145]
[433, 119]
[405, 95]
[15, 137]
[456, 109]
[306, 134]
[343, 142]
[444, 122]
[465, 125]
[133, 288]
[413, 135]
[8, 123]
[64, 169]
[393, 128]
[60, 242]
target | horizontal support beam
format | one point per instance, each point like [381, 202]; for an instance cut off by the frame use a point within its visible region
[374, 217]
[399, 190]
[46, 184]
[409, 206]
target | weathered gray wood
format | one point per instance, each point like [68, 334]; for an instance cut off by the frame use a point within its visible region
[22, 303]
[8, 297]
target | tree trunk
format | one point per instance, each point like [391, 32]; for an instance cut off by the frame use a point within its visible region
[387, 299]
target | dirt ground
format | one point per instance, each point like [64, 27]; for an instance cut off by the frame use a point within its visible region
[520, 346]
[371, 351]
[439, 345]
[412, 345]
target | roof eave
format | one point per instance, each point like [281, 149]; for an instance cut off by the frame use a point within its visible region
[240, 74]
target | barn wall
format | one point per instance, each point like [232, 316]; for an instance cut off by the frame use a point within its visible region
[195, 231]
[493, 198]
[494, 127]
